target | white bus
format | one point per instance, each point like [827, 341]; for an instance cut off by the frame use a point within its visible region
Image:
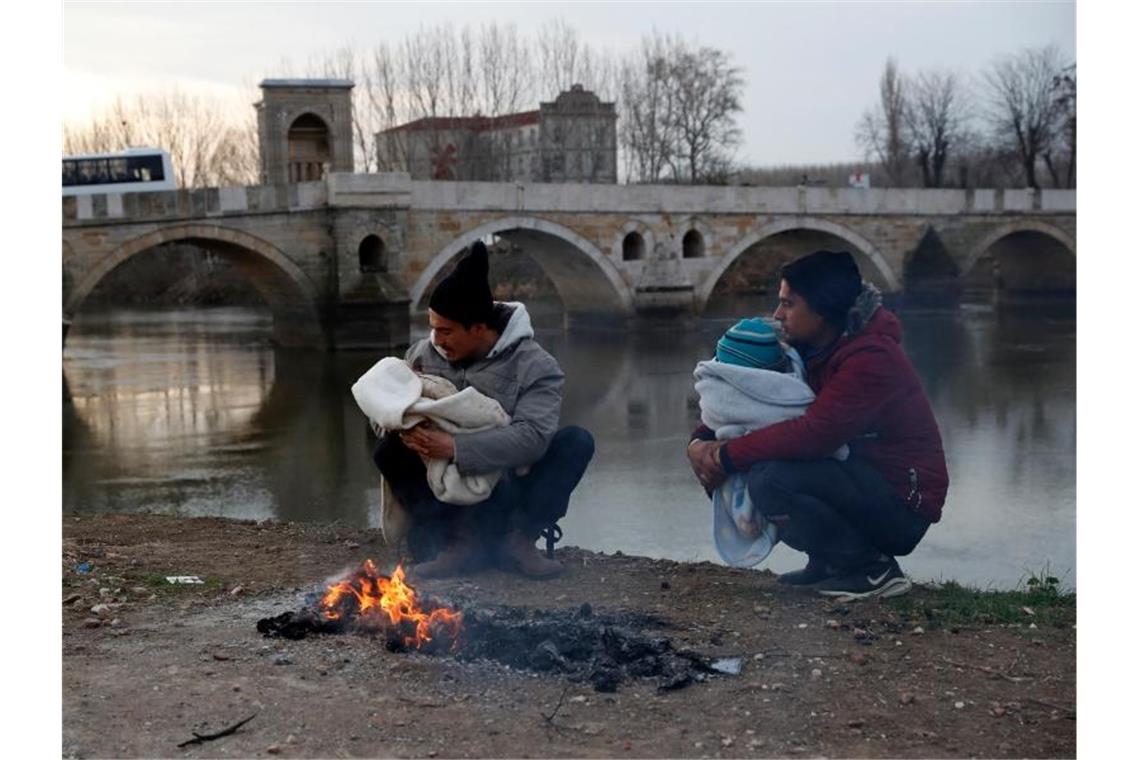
[130, 171]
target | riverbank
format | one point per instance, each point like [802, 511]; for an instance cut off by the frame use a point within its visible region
[942, 672]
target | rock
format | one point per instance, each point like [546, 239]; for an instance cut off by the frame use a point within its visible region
[998, 711]
[906, 698]
[72, 599]
[758, 656]
[221, 657]
[726, 741]
[856, 723]
[273, 749]
[860, 658]
[816, 673]
[237, 590]
[918, 631]
[351, 545]
[282, 659]
[802, 625]
[105, 592]
[832, 624]
[102, 610]
[959, 705]
[761, 609]
[578, 698]
[92, 623]
[665, 586]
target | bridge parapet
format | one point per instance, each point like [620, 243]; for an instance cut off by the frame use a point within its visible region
[655, 199]
[189, 204]
[397, 190]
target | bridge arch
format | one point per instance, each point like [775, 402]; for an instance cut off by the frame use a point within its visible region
[1024, 225]
[286, 289]
[857, 241]
[586, 279]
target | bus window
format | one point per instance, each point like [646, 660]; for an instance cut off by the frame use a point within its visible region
[118, 170]
[147, 168]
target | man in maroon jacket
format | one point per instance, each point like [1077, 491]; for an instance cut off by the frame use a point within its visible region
[852, 518]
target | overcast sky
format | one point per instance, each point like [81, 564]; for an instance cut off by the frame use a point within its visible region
[810, 68]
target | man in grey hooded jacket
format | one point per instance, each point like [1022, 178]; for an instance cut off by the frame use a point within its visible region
[489, 346]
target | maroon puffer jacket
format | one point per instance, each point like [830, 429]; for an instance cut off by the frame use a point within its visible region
[869, 396]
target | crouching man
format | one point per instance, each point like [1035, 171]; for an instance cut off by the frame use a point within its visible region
[854, 517]
[490, 346]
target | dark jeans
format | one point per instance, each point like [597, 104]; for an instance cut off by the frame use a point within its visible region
[528, 502]
[844, 513]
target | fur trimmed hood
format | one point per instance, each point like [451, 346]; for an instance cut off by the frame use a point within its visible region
[863, 309]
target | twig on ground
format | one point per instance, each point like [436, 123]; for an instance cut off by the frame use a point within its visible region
[984, 669]
[784, 653]
[201, 738]
[557, 707]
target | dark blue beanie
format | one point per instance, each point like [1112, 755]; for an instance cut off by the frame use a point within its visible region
[828, 280]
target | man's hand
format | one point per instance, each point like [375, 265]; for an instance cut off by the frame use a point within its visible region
[704, 457]
[429, 442]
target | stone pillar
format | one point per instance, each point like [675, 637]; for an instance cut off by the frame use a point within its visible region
[313, 109]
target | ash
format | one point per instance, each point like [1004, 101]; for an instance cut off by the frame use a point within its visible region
[603, 650]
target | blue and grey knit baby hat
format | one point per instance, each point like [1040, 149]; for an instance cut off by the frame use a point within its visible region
[750, 343]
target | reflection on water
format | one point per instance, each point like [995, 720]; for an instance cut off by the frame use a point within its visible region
[194, 413]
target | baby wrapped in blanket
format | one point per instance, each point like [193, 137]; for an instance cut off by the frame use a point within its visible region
[753, 382]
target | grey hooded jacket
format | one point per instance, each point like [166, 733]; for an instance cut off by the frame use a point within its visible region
[520, 375]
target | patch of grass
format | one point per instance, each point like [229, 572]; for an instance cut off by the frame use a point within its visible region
[1037, 599]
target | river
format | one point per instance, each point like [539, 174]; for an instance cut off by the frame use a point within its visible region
[193, 412]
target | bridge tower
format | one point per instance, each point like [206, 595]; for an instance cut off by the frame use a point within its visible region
[304, 129]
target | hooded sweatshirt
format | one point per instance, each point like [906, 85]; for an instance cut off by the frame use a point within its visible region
[868, 396]
[519, 374]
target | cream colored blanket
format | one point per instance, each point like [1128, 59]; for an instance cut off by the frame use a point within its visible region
[395, 397]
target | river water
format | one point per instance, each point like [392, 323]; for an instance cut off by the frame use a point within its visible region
[193, 412]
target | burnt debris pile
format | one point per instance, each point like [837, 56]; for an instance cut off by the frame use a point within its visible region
[603, 650]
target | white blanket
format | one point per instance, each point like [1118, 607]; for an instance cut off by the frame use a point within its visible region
[734, 401]
[396, 398]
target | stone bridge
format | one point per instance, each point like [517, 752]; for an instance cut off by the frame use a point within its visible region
[342, 262]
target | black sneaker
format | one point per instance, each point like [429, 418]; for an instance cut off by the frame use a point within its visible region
[883, 578]
[816, 570]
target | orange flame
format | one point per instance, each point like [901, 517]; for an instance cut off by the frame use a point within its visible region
[376, 600]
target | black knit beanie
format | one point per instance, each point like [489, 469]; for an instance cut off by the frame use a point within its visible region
[828, 280]
[464, 295]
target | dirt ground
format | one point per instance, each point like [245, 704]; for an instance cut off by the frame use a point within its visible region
[147, 664]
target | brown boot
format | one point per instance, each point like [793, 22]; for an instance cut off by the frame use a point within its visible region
[517, 552]
[455, 559]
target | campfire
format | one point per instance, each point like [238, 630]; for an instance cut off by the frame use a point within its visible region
[373, 601]
[601, 649]
[370, 602]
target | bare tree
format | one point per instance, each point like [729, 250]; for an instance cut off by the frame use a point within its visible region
[558, 53]
[1065, 91]
[1023, 110]
[679, 107]
[881, 132]
[708, 89]
[934, 115]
